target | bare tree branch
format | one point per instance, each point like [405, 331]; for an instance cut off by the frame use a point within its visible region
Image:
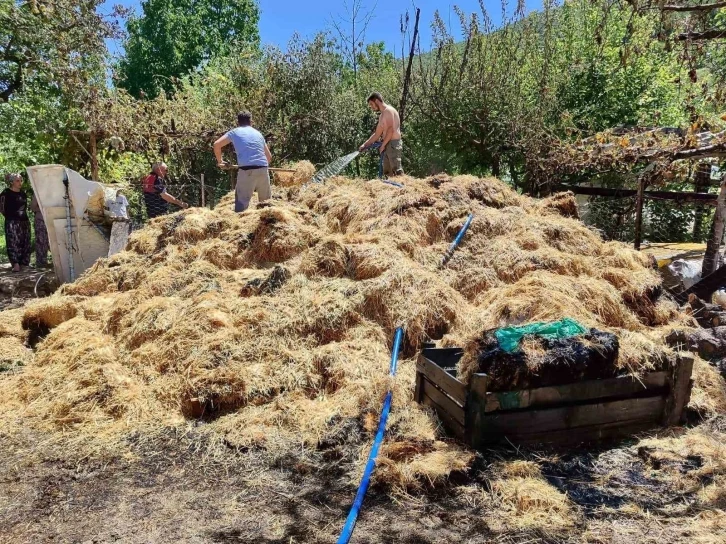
[407, 79]
[353, 39]
[695, 7]
[714, 34]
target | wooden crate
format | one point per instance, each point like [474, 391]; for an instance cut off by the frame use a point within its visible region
[586, 411]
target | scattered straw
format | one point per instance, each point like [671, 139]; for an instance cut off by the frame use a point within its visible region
[274, 325]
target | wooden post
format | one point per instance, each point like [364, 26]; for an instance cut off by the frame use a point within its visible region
[713, 246]
[475, 411]
[639, 213]
[702, 180]
[94, 156]
[680, 393]
[418, 392]
[201, 179]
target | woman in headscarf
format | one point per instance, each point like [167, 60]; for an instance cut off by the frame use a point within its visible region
[42, 244]
[14, 206]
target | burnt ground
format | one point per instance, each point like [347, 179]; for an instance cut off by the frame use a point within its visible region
[178, 489]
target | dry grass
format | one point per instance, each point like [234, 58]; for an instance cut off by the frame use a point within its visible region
[304, 171]
[49, 313]
[693, 462]
[14, 354]
[525, 500]
[275, 325]
[708, 396]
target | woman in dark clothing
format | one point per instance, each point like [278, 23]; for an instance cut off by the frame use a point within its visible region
[42, 244]
[14, 206]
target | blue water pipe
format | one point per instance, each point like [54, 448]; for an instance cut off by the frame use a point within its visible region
[389, 182]
[371, 147]
[366, 480]
[459, 237]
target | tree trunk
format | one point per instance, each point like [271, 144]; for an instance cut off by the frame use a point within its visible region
[639, 213]
[514, 174]
[711, 258]
[496, 166]
[407, 78]
[94, 156]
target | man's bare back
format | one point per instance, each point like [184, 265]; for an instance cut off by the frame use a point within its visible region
[390, 124]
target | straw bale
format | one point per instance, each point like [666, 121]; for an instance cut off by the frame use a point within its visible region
[416, 297]
[146, 241]
[618, 255]
[489, 191]
[14, 354]
[328, 258]
[47, 314]
[11, 323]
[639, 353]
[81, 367]
[563, 204]
[519, 489]
[369, 260]
[279, 234]
[546, 296]
[304, 171]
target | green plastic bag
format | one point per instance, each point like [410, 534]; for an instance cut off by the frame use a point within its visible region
[510, 337]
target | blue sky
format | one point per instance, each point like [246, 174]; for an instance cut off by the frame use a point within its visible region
[280, 19]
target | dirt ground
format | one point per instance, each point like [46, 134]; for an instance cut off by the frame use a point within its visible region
[177, 488]
[17, 288]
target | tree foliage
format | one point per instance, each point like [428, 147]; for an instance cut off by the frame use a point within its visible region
[174, 37]
[502, 99]
[58, 43]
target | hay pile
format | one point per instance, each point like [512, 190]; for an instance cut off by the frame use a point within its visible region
[304, 171]
[275, 325]
[13, 351]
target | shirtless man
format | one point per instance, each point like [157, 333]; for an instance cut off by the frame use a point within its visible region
[389, 128]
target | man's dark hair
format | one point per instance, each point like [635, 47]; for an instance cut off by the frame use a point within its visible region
[244, 118]
[375, 96]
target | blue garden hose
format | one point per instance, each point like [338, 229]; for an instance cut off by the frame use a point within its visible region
[459, 237]
[365, 481]
[377, 145]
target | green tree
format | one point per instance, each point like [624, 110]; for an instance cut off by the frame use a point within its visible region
[58, 43]
[51, 53]
[174, 37]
